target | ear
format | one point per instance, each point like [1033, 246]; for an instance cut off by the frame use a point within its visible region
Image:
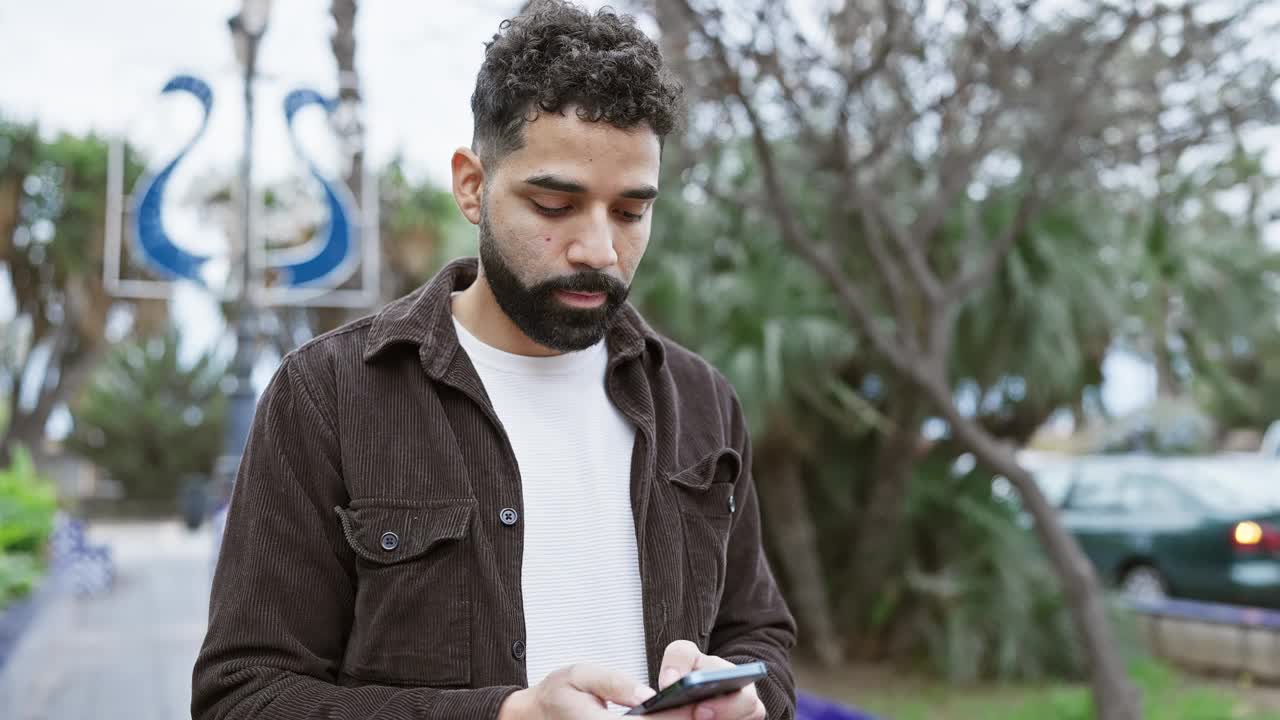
[468, 183]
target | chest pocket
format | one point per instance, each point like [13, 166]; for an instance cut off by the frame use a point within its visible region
[412, 622]
[705, 493]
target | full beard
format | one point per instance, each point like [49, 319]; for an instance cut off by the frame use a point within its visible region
[538, 310]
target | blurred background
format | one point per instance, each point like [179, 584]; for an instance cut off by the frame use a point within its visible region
[998, 284]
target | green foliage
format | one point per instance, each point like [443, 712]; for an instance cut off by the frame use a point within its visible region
[1167, 695]
[19, 574]
[65, 208]
[1035, 338]
[415, 207]
[27, 505]
[149, 420]
[981, 598]
[1203, 288]
[719, 280]
[421, 228]
[973, 597]
[53, 214]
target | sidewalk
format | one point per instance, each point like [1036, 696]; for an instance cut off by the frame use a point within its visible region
[126, 654]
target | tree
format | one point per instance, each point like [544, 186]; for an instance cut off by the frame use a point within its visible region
[717, 279]
[914, 114]
[149, 420]
[52, 214]
[348, 124]
[1205, 272]
[421, 229]
[833, 429]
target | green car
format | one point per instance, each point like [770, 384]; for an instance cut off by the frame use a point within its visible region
[1201, 529]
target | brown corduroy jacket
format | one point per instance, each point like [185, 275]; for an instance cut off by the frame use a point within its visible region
[370, 566]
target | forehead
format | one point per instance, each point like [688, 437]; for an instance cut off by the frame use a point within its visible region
[599, 155]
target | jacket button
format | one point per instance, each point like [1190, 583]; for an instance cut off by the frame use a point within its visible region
[390, 541]
[508, 516]
[517, 649]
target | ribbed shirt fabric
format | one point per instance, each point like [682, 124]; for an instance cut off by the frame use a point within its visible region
[580, 573]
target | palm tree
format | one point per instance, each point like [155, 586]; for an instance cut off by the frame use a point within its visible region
[150, 420]
[1204, 273]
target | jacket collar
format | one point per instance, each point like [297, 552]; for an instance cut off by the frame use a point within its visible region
[425, 318]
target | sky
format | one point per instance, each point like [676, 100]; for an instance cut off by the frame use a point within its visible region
[99, 66]
[80, 66]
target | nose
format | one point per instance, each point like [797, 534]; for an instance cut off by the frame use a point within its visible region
[592, 245]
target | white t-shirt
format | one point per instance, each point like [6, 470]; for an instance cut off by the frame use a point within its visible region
[581, 572]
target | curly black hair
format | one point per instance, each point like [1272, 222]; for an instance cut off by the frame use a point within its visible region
[557, 54]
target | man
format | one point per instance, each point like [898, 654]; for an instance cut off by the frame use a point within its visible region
[505, 496]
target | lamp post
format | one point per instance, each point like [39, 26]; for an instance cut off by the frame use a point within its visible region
[247, 28]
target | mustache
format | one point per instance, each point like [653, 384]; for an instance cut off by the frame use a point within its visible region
[588, 281]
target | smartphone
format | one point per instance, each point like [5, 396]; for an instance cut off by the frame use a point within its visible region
[702, 685]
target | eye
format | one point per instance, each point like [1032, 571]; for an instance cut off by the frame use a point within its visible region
[550, 211]
[630, 216]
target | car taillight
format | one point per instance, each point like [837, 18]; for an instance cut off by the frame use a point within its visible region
[1250, 536]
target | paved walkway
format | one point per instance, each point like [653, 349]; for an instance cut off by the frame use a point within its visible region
[123, 655]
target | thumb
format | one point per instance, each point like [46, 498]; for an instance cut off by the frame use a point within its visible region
[608, 685]
[680, 658]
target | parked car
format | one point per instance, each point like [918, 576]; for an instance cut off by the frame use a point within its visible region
[1202, 528]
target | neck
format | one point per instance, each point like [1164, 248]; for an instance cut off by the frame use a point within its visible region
[478, 311]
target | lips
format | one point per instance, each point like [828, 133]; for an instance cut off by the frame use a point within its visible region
[578, 299]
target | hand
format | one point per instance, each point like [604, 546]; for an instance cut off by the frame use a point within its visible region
[578, 691]
[683, 657]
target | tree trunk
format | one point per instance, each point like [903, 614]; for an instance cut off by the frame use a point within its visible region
[27, 428]
[1116, 698]
[870, 565]
[790, 527]
[1167, 385]
[1079, 417]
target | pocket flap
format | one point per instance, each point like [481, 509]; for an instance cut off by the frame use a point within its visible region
[720, 466]
[390, 533]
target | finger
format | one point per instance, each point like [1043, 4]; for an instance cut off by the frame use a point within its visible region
[680, 658]
[702, 662]
[680, 713]
[608, 685]
[739, 705]
[712, 662]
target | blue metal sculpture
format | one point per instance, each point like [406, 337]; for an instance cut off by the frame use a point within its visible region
[155, 246]
[322, 262]
[340, 235]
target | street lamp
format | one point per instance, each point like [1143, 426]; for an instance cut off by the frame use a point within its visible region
[247, 28]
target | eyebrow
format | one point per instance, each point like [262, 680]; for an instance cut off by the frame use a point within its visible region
[557, 184]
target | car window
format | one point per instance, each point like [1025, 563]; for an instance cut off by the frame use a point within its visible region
[1137, 490]
[1230, 488]
[1096, 491]
[1133, 492]
[1161, 498]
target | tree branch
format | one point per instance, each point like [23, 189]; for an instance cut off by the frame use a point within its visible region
[851, 300]
[890, 272]
[1051, 153]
